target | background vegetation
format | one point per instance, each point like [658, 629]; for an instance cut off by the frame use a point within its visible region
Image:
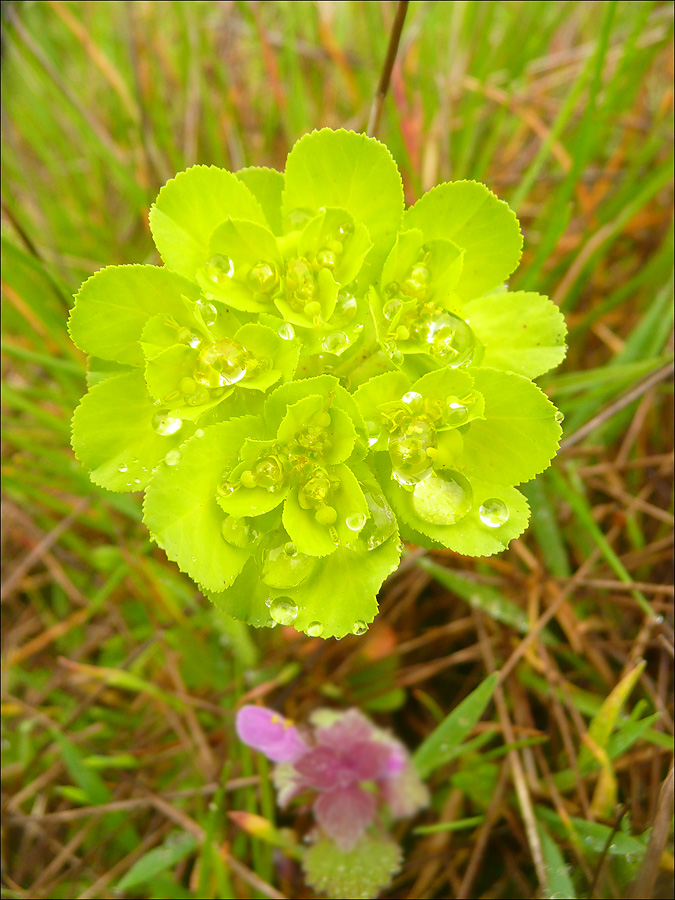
[120, 680]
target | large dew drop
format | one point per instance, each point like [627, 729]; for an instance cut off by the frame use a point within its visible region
[381, 522]
[166, 424]
[220, 364]
[359, 627]
[356, 521]
[239, 532]
[336, 342]
[280, 568]
[286, 331]
[444, 498]
[207, 311]
[452, 340]
[315, 629]
[283, 610]
[408, 448]
[493, 512]
[218, 268]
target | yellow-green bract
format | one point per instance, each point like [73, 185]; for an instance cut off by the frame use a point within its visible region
[314, 374]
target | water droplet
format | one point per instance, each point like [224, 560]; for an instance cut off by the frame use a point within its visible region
[451, 339]
[286, 331]
[122, 467]
[199, 433]
[345, 230]
[315, 629]
[239, 532]
[218, 268]
[283, 610]
[381, 522]
[408, 451]
[345, 307]
[356, 521]
[455, 414]
[414, 401]
[391, 308]
[278, 569]
[336, 342]
[395, 355]
[172, 458]
[559, 417]
[359, 627]
[221, 363]
[263, 277]
[207, 311]
[187, 386]
[334, 536]
[166, 424]
[444, 498]
[199, 397]
[493, 512]
[226, 488]
[290, 549]
[137, 480]
[300, 283]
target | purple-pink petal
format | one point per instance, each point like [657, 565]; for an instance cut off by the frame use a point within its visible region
[267, 731]
[320, 768]
[352, 728]
[365, 761]
[345, 814]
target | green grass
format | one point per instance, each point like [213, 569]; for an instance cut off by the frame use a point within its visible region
[120, 680]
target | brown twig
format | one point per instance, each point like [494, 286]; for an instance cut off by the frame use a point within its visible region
[389, 60]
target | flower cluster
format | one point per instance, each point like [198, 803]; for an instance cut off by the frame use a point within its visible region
[314, 374]
[350, 769]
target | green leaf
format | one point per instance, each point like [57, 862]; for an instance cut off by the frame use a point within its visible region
[113, 434]
[444, 260]
[326, 386]
[470, 535]
[188, 209]
[266, 186]
[518, 436]
[558, 880]
[338, 595]
[91, 784]
[112, 307]
[360, 873]
[592, 836]
[443, 743]
[181, 511]
[348, 170]
[174, 848]
[521, 332]
[471, 216]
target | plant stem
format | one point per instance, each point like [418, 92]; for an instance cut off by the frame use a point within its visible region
[385, 76]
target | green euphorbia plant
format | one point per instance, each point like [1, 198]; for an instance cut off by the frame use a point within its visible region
[314, 374]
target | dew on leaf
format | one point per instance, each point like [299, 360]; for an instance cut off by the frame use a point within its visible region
[286, 331]
[356, 521]
[278, 569]
[345, 307]
[413, 401]
[218, 268]
[284, 610]
[207, 311]
[381, 522]
[444, 498]
[408, 451]
[172, 458]
[166, 424]
[336, 342]
[240, 532]
[122, 467]
[326, 258]
[391, 308]
[200, 396]
[493, 512]
[263, 277]
[452, 340]
[359, 627]
[417, 283]
[559, 416]
[222, 363]
[455, 414]
[199, 433]
[315, 629]
[373, 429]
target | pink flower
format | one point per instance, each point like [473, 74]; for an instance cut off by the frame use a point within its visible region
[353, 767]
